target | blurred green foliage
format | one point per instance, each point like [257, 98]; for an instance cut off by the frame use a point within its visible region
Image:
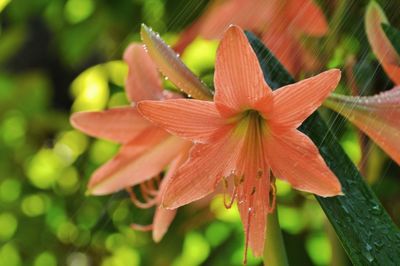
[58, 56]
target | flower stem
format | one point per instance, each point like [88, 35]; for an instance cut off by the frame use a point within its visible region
[274, 248]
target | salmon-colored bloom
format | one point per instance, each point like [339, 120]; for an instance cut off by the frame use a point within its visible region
[381, 45]
[377, 116]
[280, 24]
[146, 149]
[245, 132]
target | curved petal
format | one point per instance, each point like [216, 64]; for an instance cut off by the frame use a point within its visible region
[163, 217]
[169, 63]
[239, 81]
[200, 174]
[380, 44]
[306, 17]
[295, 158]
[143, 82]
[219, 15]
[139, 160]
[292, 104]
[377, 116]
[117, 124]
[210, 25]
[393, 71]
[161, 222]
[190, 119]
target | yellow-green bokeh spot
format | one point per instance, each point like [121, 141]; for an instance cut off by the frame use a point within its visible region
[44, 168]
[13, 129]
[91, 88]
[3, 4]
[9, 255]
[35, 205]
[195, 250]
[200, 55]
[319, 248]
[101, 151]
[67, 232]
[8, 225]
[218, 208]
[68, 182]
[45, 259]
[123, 256]
[10, 189]
[78, 10]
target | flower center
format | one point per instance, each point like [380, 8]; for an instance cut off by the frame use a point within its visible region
[252, 186]
[249, 122]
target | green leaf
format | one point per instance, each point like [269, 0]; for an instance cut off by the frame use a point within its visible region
[393, 35]
[366, 231]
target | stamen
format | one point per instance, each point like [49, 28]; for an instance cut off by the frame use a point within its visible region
[138, 203]
[143, 228]
[238, 180]
[253, 191]
[157, 180]
[149, 188]
[260, 173]
[272, 195]
[144, 191]
[249, 215]
[233, 197]
[226, 185]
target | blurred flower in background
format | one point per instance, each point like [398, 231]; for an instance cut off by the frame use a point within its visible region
[146, 149]
[280, 24]
[63, 55]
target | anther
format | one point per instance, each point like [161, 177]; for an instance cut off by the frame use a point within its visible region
[260, 173]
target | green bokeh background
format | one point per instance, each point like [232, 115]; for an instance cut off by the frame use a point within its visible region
[62, 56]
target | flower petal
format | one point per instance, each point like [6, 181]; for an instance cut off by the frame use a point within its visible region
[117, 124]
[306, 17]
[219, 15]
[200, 174]
[239, 81]
[163, 217]
[380, 44]
[161, 222]
[142, 158]
[169, 63]
[295, 158]
[144, 81]
[190, 119]
[377, 116]
[292, 104]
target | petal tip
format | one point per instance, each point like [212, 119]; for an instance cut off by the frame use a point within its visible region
[131, 50]
[77, 120]
[168, 205]
[156, 236]
[233, 29]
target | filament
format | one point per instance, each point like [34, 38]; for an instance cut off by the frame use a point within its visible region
[143, 228]
[138, 203]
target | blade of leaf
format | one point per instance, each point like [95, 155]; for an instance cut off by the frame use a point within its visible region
[366, 231]
[393, 35]
[169, 63]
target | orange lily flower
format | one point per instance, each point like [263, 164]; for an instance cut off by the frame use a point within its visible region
[280, 25]
[381, 45]
[244, 133]
[146, 149]
[377, 116]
